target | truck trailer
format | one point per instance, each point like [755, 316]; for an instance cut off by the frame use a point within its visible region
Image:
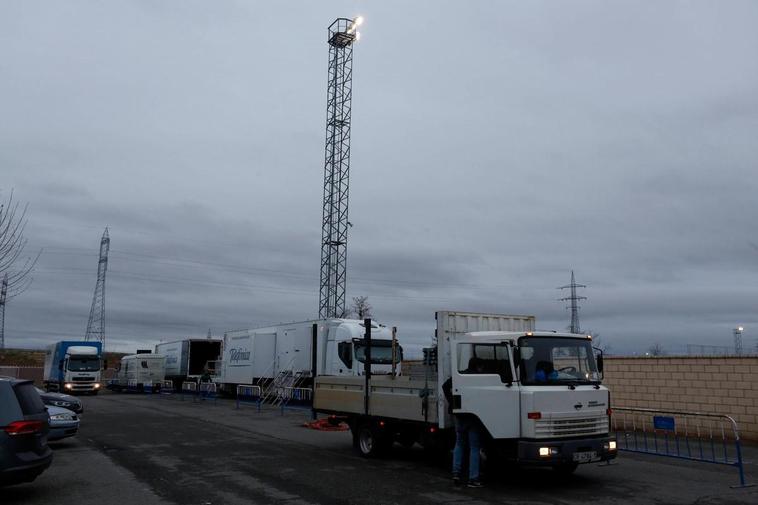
[537, 396]
[263, 354]
[187, 360]
[73, 367]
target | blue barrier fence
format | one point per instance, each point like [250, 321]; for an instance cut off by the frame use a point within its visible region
[694, 436]
[295, 398]
[189, 388]
[207, 391]
[249, 394]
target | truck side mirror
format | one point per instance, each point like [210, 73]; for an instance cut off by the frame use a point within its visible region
[105, 364]
[599, 360]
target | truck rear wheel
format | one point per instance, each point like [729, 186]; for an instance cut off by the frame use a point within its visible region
[370, 442]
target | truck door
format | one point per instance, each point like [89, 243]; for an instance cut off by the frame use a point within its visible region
[484, 385]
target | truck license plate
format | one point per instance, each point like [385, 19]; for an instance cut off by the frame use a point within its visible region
[585, 457]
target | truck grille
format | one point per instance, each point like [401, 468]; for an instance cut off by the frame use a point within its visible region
[83, 379]
[571, 426]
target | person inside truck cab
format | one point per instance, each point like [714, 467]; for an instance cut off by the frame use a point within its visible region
[545, 371]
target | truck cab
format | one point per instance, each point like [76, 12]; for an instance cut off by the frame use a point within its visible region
[351, 356]
[73, 367]
[538, 395]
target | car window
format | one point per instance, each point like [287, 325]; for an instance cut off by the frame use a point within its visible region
[29, 399]
[9, 409]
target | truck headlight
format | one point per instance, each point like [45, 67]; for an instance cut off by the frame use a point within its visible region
[612, 445]
[549, 451]
[97, 385]
[68, 385]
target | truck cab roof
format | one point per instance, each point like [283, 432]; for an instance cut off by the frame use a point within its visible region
[83, 350]
[513, 335]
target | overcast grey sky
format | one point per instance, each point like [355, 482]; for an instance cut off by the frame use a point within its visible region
[496, 146]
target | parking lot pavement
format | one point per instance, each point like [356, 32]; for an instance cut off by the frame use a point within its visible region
[156, 450]
[83, 475]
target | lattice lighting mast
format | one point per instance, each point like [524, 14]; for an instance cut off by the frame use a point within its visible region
[738, 340]
[96, 323]
[343, 33]
[574, 299]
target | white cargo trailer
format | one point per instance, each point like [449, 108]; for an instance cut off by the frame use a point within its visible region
[189, 359]
[264, 353]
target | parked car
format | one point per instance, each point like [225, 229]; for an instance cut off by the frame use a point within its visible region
[63, 423]
[24, 427]
[61, 400]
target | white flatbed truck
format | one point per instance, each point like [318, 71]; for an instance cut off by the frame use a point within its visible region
[537, 395]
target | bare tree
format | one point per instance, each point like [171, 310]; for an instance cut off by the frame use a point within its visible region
[656, 350]
[361, 308]
[13, 263]
[599, 342]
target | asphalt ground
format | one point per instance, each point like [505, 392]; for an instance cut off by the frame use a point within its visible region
[151, 450]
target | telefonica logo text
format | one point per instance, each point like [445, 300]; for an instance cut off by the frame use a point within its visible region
[239, 355]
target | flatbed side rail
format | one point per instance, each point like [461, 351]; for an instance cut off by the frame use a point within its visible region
[695, 436]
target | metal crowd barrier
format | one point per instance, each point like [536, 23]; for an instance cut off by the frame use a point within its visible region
[167, 389]
[208, 391]
[149, 387]
[131, 385]
[295, 398]
[189, 388]
[249, 394]
[695, 436]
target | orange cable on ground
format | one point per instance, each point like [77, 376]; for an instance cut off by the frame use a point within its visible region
[328, 424]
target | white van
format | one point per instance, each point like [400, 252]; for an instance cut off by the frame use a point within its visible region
[140, 369]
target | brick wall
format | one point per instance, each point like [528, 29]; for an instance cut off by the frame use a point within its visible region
[721, 385]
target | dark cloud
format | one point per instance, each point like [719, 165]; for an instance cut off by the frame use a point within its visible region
[495, 147]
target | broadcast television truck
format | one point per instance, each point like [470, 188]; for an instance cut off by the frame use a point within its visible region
[537, 395]
[260, 355]
[73, 367]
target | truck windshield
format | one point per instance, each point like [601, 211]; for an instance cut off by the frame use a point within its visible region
[380, 355]
[84, 364]
[554, 360]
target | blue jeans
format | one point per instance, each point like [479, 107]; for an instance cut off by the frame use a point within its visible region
[466, 430]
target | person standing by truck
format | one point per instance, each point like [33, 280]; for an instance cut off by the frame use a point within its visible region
[466, 433]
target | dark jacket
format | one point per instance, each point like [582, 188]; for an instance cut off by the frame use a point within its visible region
[447, 389]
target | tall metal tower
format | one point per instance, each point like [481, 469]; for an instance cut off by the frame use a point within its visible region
[573, 298]
[96, 323]
[3, 295]
[343, 33]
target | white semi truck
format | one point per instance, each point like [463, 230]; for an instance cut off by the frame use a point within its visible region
[537, 395]
[263, 354]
